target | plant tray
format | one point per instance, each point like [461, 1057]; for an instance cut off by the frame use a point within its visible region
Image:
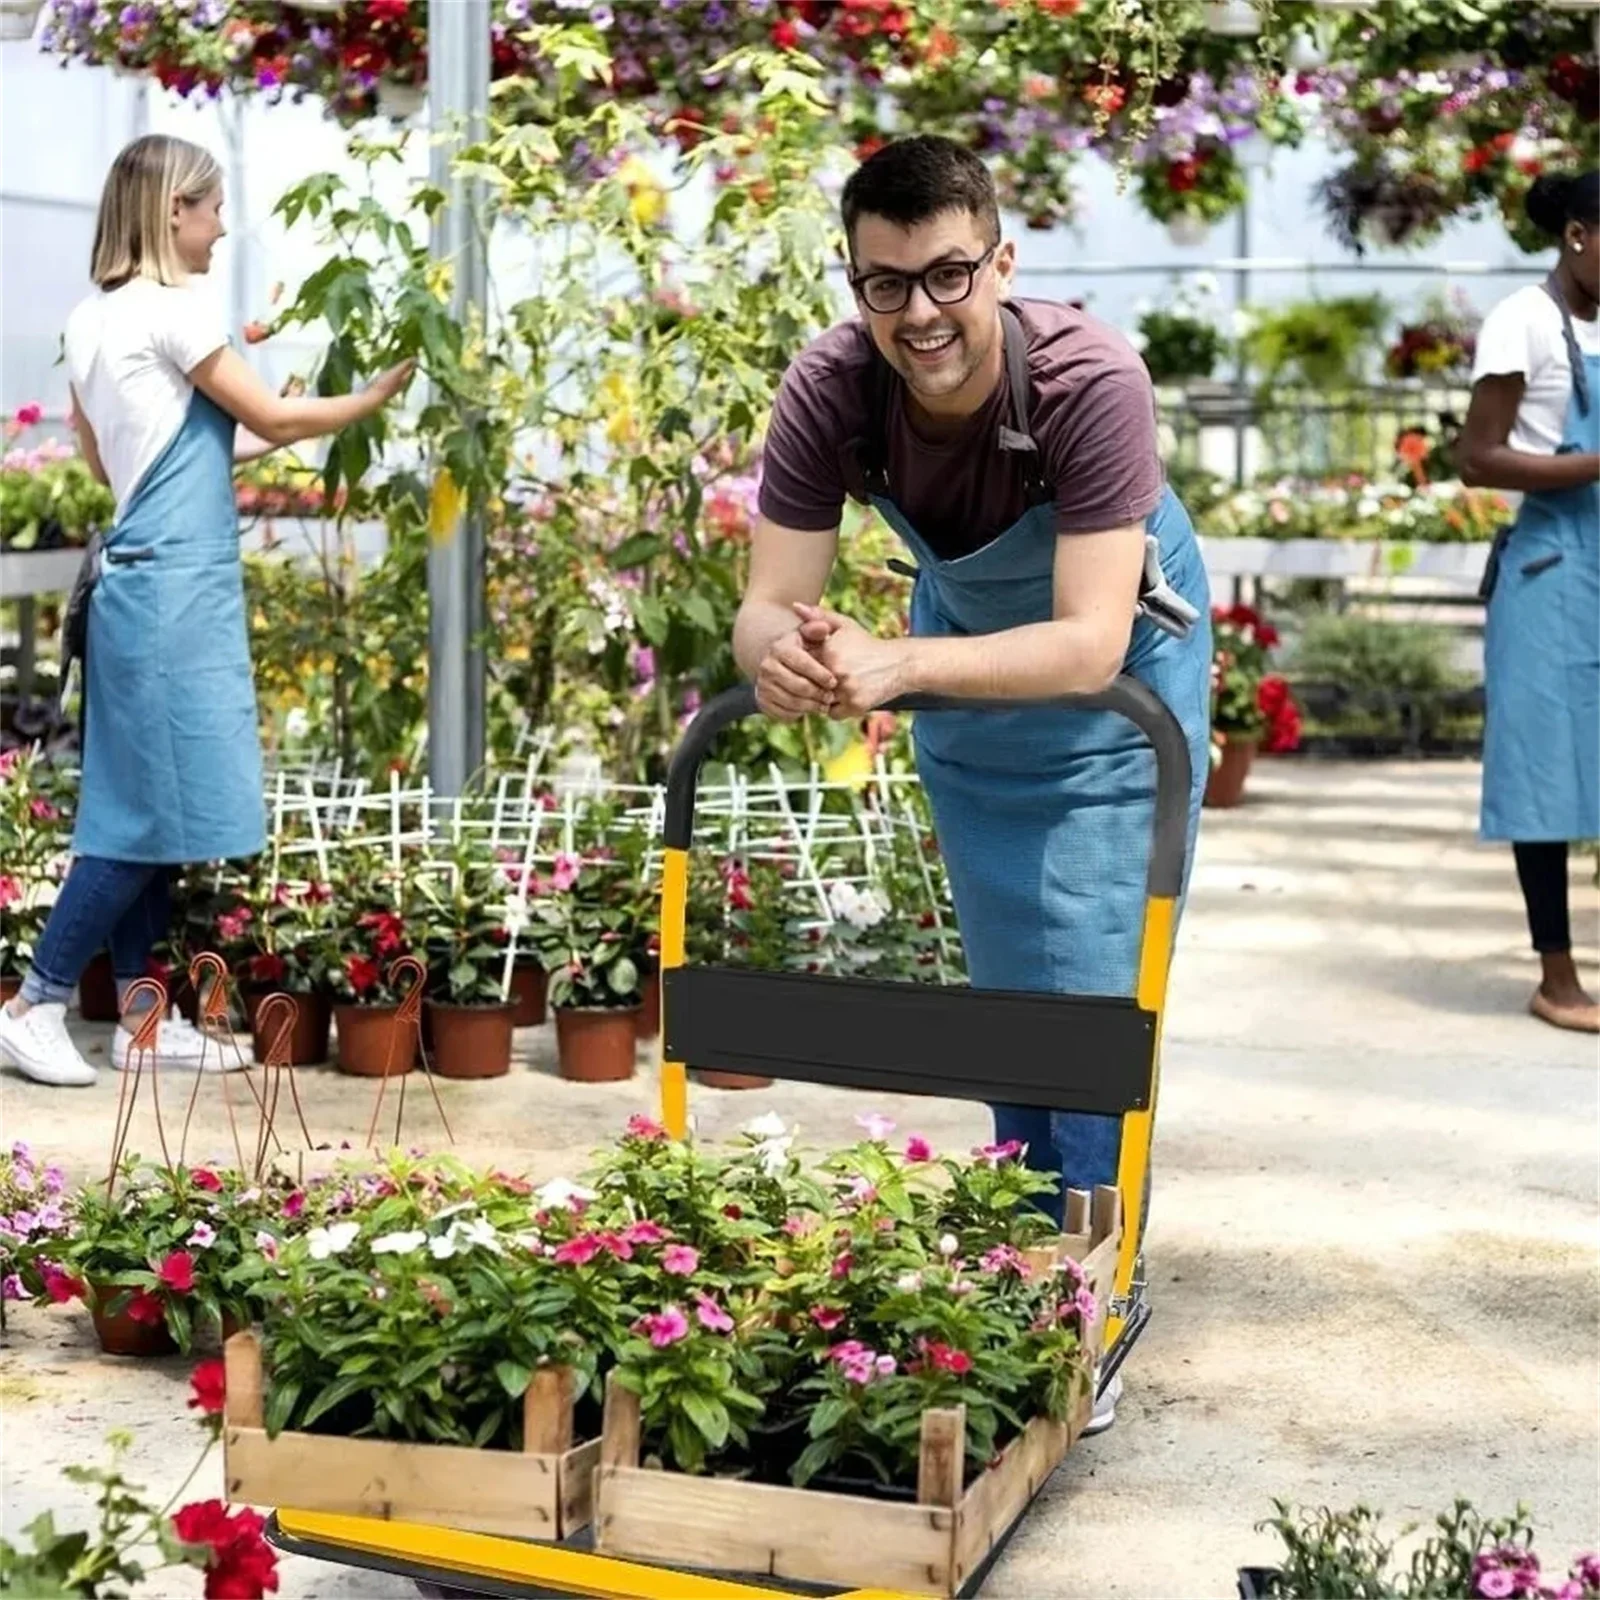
[543, 1492]
[757, 1530]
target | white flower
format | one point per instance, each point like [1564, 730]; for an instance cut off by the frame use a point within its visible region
[443, 1245]
[774, 1155]
[949, 1244]
[559, 1195]
[1204, 283]
[204, 1234]
[297, 724]
[398, 1244]
[479, 1231]
[769, 1125]
[249, 1196]
[908, 1282]
[331, 1241]
[267, 1244]
[1367, 506]
[514, 914]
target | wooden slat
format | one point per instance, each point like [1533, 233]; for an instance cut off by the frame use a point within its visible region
[725, 1525]
[451, 1486]
[619, 1427]
[1078, 1203]
[941, 1460]
[547, 1411]
[1002, 1494]
[241, 1357]
[575, 1485]
[1105, 1211]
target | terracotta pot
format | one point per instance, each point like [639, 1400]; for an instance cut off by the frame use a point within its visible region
[596, 1043]
[713, 1079]
[97, 991]
[373, 1043]
[648, 1023]
[529, 987]
[472, 1041]
[1225, 785]
[119, 1334]
[308, 1043]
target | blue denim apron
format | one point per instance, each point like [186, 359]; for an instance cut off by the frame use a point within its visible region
[172, 754]
[1541, 744]
[1044, 817]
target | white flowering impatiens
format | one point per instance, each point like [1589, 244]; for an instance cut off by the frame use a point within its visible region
[204, 1234]
[399, 1244]
[332, 1240]
[861, 908]
[774, 1140]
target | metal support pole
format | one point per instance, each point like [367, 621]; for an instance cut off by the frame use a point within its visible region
[458, 100]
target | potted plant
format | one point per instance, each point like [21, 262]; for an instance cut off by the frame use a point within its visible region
[461, 923]
[587, 933]
[292, 955]
[32, 1222]
[34, 843]
[1191, 191]
[1440, 345]
[167, 1254]
[1178, 344]
[368, 934]
[529, 991]
[1323, 344]
[1241, 647]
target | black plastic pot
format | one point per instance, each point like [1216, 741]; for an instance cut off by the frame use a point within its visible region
[1255, 1583]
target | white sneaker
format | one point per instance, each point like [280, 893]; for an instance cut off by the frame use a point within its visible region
[1105, 1408]
[38, 1045]
[180, 1047]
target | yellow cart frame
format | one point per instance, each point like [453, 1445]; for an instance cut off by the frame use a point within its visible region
[904, 1038]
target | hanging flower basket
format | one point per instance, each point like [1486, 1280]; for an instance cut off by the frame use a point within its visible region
[1234, 19]
[1187, 230]
[401, 101]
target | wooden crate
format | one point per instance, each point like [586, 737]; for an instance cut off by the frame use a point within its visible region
[543, 1492]
[769, 1530]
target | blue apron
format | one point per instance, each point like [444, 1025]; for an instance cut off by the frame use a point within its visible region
[171, 753]
[1541, 743]
[1044, 817]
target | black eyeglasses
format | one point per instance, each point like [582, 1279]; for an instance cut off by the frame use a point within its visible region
[946, 283]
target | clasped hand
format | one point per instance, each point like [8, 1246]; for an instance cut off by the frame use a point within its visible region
[829, 666]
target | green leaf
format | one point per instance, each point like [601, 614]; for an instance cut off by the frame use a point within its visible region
[636, 551]
[280, 1406]
[335, 1394]
[622, 977]
[827, 1416]
[698, 610]
[816, 1455]
[513, 1376]
[709, 1415]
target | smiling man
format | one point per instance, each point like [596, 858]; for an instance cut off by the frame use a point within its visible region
[1012, 446]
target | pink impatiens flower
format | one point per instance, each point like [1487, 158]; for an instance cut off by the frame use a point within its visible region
[294, 1205]
[565, 873]
[994, 1154]
[711, 1316]
[827, 1317]
[878, 1127]
[680, 1260]
[862, 1192]
[663, 1327]
[643, 1127]
[1005, 1258]
[918, 1148]
[644, 1232]
[855, 1360]
[578, 1252]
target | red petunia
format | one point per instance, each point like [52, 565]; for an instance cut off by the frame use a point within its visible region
[177, 1272]
[146, 1308]
[208, 1386]
[362, 973]
[202, 1522]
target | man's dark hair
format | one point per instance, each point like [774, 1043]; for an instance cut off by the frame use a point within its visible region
[913, 179]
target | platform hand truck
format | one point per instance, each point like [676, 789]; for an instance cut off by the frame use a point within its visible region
[1092, 1053]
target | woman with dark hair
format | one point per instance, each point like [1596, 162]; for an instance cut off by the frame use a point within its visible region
[1534, 426]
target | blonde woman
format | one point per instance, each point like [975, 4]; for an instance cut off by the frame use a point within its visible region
[171, 755]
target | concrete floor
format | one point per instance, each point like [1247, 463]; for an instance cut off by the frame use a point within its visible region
[1373, 1246]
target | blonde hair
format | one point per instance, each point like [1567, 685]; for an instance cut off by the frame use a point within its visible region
[133, 232]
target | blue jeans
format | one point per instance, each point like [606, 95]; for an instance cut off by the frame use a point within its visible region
[124, 904]
[1078, 1147]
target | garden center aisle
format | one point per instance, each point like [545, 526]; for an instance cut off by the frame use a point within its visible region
[1373, 1242]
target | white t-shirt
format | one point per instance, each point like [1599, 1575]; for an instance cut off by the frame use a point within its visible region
[1523, 334]
[129, 352]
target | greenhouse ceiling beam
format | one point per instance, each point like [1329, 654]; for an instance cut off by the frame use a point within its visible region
[458, 102]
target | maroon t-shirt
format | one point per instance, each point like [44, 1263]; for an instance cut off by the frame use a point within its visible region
[1093, 417]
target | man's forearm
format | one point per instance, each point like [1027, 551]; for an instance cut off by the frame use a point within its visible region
[1032, 662]
[759, 625]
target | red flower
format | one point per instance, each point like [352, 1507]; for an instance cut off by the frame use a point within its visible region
[947, 1359]
[643, 1127]
[388, 10]
[1183, 175]
[241, 1565]
[29, 414]
[177, 1272]
[202, 1522]
[146, 1308]
[1059, 8]
[62, 1286]
[391, 931]
[208, 1385]
[205, 1178]
[255, 332]
[362, 972]
[786, 35]
[266, 967]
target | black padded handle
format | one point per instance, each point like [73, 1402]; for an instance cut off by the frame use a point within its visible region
[1127, 696]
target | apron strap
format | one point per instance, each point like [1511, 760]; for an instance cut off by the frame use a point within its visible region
[864, 461]
[1580, 372]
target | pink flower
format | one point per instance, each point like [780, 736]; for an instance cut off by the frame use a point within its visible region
[566, 872]
[918, 1148]
[863, 1193]
[43, 811]
[294, 1205]
[10, 891]
[641, 1127]
[30, 414]
[616, 1244]
[994, 1154]
[680, 1260]
[885, 1366]
[203, 1236]
[1005, 1258]
[664, 1327]
[878, 1127]
[177, 1272]
[711, 1316]
[146, 1308]
[61, 1286]
[795, 1226]
[267, 1244]
[826, 1317]
[855, 1361]
[205, 1178]
[578, 1252]
[843, 1264]
[1495, 1583]
[645, 1232]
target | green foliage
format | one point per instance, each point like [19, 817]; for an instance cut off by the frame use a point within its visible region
[1370, 655]
[1320, 343]
[48, 500]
